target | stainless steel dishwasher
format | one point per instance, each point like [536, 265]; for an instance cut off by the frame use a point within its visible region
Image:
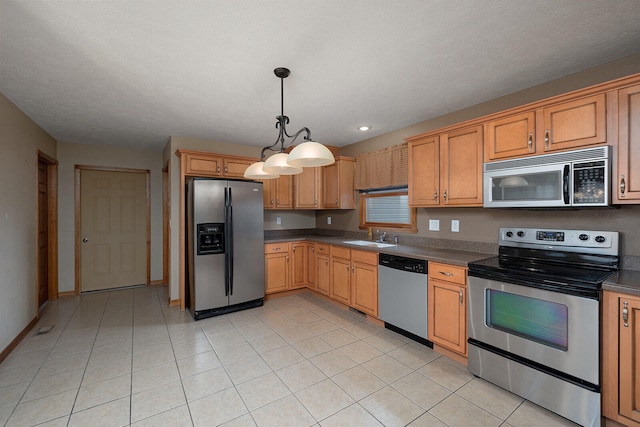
[402, 295]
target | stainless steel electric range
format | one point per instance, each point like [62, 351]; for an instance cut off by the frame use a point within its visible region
[534, 317]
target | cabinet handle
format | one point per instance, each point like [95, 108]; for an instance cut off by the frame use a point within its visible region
[276, 249]
[347, 268]
[326, 262]
[530, 143]
[293, 249]
[287, 259]
[444, 273]
[623, 186]
[315, 202]
[336, 201]
[218, 169]
[460, 295]
[625, 314]
[278, 202]
[445, 195]
[313, 248]
[353, 268]
[226, 169]
[271, 201]
[435, 195]
[546, 138]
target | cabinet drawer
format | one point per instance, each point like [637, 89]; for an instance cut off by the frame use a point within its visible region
[274, 248]
[364, 257]
[322, 249]
[448, 273]
[338, 252]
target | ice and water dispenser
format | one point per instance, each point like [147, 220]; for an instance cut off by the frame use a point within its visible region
[211, 238]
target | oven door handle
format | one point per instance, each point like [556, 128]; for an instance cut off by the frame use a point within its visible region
[565, 184]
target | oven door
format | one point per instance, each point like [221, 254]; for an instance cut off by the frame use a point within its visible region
[537, 186]
[552, 329]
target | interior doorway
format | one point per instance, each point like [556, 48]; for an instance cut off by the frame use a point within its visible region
[166, 225]
[112, 228]
[47, 232]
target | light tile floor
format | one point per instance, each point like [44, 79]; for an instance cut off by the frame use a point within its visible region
[125, 358]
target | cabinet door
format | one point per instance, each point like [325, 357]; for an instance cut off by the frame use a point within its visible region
[276, 272]
[337, 185]
[283, 187]
[510, 136]
[340, 283]
[630, 358]
[307, 188]
[424, 171]
[627, 183]
[461, 167]
[311, 265]
[447, 314]
[574, 124]
[364, 287]
[298, 265]
[268, 193]
[234, 168]
[323, 274]
[203, 165]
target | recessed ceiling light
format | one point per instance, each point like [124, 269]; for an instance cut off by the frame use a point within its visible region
[364, 128]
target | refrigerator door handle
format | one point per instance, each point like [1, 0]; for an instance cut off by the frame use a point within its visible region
[228, 214]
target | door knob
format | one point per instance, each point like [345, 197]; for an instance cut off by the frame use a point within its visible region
[85, 240]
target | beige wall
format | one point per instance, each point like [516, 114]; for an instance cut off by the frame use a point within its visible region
[477, 224]
[71, 154]
[20, 138]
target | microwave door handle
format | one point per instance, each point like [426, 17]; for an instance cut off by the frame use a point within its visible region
[565, 184]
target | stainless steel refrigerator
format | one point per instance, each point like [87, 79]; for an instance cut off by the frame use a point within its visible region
[225, 246]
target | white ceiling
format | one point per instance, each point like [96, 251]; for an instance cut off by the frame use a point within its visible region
[133, 73]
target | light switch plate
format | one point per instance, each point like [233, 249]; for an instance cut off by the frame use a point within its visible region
[329, 220]
[434, 225]
[455, 225]
[278, 220]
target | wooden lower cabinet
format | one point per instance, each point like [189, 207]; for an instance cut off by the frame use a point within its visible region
[621, 358]
[364, 282]
[276, 265]
[447, 307]
[323, 274]
[340, 270]
[299, 267]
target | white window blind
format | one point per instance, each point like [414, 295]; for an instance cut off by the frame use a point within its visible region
[391, 209]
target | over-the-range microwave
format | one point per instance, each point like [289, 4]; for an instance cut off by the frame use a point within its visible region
[568, 179]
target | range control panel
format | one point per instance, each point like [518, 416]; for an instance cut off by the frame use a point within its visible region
[586, 241]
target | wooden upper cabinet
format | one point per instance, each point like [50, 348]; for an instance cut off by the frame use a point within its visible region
[627, 182]
[307, 186]
[424, 171]
[510, 136]
[337, 184]
[233, 167]
[278, 193]
[461, 167]
[200, 163]
[203, 164]
[574, 124]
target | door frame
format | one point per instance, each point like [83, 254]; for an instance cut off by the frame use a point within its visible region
[52, 227]
[78, 221]
[166, 225]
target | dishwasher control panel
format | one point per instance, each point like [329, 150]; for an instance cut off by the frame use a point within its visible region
[402, 263]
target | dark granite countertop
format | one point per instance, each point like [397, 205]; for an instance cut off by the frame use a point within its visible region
[448, 256]
[624, 281]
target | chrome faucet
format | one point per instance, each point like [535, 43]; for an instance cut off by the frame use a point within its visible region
[381, 236]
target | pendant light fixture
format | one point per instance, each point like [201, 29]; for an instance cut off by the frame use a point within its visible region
[307, 154]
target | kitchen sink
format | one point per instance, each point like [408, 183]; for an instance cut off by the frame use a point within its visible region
[368, 243]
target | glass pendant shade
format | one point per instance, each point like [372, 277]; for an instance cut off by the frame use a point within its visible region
[277, 164]
[310, 154]
[255, 171]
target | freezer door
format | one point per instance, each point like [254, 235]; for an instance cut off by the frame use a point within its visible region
[247, 234]
[208, 270]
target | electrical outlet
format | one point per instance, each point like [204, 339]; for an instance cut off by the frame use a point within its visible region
[455, 225]
[329, 220]
[434, 225]
[278, 220]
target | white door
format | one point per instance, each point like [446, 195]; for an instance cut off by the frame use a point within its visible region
[113, 213]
